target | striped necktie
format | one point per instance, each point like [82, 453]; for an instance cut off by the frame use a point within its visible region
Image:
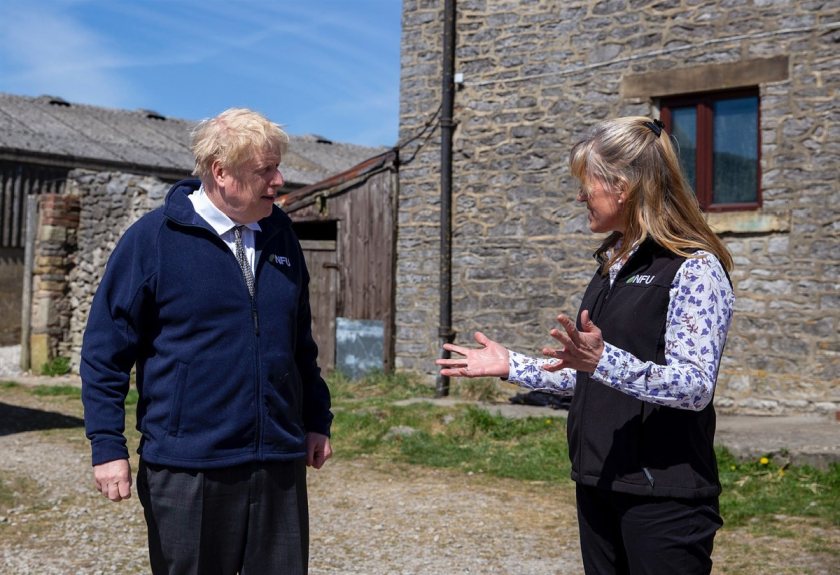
[247, 273]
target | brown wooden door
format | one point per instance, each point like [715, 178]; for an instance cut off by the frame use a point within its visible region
[322, 262]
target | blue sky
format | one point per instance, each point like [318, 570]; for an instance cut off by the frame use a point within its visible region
[326, 67]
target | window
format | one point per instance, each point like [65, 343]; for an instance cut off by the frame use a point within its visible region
[718, 139]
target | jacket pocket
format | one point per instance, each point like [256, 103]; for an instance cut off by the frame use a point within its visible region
[173, 426]
[283, 411]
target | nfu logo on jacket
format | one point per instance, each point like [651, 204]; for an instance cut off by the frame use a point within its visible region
[640, 279]
[279, 260]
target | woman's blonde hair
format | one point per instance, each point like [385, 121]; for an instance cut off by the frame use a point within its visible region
[232, 137]
[635, 155]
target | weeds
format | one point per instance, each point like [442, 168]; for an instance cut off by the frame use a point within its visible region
[70, 391]
[375, 387]
[59, 365]
[761, 489]
[479, 389]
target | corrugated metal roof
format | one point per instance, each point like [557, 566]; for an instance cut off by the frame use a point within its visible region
[337, 183]
[141, 140]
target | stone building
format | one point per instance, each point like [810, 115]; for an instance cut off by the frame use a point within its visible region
[534, 75]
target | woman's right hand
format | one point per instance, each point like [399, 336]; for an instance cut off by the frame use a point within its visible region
[489, 360]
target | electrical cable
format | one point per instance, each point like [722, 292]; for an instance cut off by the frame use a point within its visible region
[428, 129]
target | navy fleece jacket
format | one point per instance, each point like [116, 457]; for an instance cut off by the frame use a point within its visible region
[221, 380]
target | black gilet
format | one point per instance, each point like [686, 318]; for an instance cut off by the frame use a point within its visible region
[617, 442]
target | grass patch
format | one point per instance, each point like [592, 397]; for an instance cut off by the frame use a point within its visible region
[757, 493]
[464, 437]
[478, 389]
[74, 392]
[57, 391]
[376, 388]
[760, 490]
[532, 449]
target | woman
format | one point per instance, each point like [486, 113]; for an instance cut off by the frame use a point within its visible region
[641, 360]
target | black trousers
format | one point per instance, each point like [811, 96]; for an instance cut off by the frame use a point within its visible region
[623, 534]
[251, 519]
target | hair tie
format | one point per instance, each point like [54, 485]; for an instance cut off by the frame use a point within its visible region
[656, 126]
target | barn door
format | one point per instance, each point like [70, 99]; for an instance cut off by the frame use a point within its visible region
[322, 262]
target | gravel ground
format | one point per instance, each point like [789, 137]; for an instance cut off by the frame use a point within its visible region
[369, 517]
[364, 521]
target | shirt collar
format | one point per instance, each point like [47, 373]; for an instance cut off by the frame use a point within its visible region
[213, 215]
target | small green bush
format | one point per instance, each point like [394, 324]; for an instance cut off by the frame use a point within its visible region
[59, 365]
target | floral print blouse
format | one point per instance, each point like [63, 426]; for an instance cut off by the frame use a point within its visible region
[698, 319]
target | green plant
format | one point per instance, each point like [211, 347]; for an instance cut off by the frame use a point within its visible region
[57, 390]
[58, 365]
[760, 489]
[532, 449]
[73, 391]
[463, 437]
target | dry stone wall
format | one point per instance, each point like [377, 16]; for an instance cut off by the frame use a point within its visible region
[109, 202]
[536, 75]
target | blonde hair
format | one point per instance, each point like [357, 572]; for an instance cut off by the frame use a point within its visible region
[636, 155]
[232, 137]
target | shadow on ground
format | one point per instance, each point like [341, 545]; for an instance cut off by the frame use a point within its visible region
[17, 419]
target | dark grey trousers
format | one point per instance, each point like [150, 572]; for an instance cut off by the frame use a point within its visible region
[251, 519]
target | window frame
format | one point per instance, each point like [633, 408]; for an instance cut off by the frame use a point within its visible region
[703, 104]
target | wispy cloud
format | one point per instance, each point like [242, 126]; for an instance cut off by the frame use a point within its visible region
[320, 66]
[48, 52]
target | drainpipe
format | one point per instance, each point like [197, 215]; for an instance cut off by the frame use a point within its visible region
[445, 332]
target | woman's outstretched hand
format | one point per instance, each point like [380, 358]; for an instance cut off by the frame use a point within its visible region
[489, 360]
[581, 349]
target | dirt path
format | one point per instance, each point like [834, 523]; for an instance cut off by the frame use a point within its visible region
[368, 517]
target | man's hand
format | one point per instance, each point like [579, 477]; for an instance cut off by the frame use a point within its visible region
[318, 449]
[113, 479]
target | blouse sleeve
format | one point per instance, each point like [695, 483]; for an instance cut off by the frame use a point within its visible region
[699, 315]
[528, 372]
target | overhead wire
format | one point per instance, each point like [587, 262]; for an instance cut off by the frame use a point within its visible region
[429, 128]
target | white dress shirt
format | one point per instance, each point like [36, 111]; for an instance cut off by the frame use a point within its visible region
[224, 226]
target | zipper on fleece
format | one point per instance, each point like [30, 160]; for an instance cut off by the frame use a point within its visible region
[255, 316]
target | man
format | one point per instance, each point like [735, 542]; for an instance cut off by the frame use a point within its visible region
[208, 298]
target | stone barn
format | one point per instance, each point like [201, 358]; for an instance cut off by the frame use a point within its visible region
[750, 90]
[80, 175]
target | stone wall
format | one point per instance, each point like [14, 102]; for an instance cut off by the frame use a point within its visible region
[536, 75]
[108, 203]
